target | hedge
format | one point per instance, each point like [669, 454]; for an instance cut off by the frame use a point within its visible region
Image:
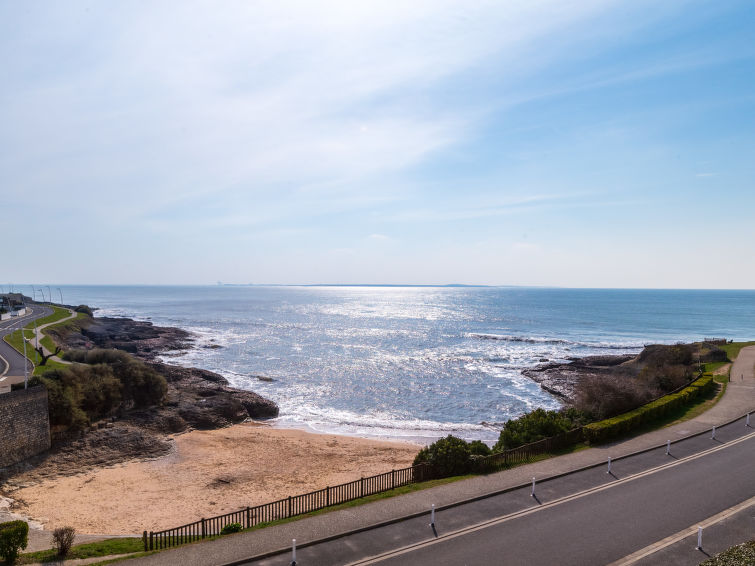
[607, 429]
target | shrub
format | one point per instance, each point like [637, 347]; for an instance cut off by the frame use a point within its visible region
[62, 539]
[625, 423]
[536, 425]
[140, 384]
[106, 381]
[602, 396]
[14, 536]
[231, 528]
[479, 448]
[85, 309]
[446, 457]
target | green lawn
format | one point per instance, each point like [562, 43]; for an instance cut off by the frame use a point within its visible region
[58, 314]
[106, 547]
[732, 350]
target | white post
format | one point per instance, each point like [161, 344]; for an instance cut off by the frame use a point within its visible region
[609, 465]
[293, 552]
[713, 434]
[699, 538]
[668, 447]
[533, 488]
[432, 515]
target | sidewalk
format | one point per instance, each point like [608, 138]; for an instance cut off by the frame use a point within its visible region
[738, 400]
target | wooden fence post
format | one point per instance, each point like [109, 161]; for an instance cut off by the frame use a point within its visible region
[289, 506]
[393, 479]
[361, 487]
[327, 496]
[144, 538]
[203, 528]
[248, 517]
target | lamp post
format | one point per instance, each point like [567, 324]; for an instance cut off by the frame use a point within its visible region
[33, 293]
[36, 350]
[61, 295]
[49, 294]
[26, 360]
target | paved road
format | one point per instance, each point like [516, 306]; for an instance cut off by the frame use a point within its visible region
[588, 518]
[12, 362]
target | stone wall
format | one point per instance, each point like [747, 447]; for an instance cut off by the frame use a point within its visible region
[24, 425]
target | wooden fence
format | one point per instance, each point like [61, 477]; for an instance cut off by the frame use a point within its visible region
[285, 508]
[330, 496]
[525, 453]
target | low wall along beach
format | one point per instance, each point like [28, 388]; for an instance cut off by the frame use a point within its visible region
[25, 425]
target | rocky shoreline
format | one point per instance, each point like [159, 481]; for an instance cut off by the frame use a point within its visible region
[196, 399]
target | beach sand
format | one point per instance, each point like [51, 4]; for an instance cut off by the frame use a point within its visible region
[207, 473]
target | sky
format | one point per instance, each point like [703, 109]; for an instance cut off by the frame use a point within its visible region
[543, 143]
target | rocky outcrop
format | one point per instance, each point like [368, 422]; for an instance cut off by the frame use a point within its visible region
[196, 398]
[562, 378]
[140, 338]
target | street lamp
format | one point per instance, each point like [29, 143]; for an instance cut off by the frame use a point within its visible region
[49, 295]
[61, 295]
[33, 293]
[26, 360]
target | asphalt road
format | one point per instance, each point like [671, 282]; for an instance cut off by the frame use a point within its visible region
[587, 518]
[15, 360]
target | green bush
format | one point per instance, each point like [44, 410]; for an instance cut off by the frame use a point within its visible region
[105, 381]
[231, 528]
[536, 425]
[14, 537]
[449, 456]
[85, 309]
[140, 384]
[623, 424]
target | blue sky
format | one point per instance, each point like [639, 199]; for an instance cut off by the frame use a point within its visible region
[580, 144]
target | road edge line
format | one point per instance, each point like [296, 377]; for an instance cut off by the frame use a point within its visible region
[681, 535]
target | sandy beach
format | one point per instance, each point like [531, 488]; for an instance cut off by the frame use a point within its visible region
[207, 473]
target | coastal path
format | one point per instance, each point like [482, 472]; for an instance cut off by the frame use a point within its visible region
[38, 335]
[555, 473]
[12, 363]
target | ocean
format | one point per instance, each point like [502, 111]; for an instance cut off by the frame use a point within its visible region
[413, 363]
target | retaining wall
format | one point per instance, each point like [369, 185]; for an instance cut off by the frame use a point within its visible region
[24, 425]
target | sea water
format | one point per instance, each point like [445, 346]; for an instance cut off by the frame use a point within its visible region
[412, 362]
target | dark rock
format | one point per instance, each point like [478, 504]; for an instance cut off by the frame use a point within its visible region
[561, 378]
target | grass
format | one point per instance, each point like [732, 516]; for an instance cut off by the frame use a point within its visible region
[732, 350]
[108, 547]
[698, 406]
[59, 313]
[14, 339]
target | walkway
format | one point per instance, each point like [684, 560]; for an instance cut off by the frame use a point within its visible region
[738, 400]
[36, 339]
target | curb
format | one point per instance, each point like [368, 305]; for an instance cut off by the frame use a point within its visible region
[470, 500]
